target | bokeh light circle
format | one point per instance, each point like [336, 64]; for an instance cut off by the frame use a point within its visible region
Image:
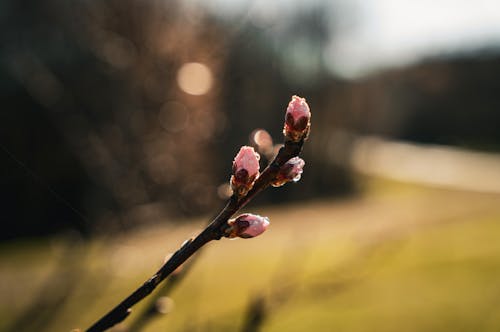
[195, 78]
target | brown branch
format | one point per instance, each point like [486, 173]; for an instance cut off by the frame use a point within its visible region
[152, 310]
[214, 231]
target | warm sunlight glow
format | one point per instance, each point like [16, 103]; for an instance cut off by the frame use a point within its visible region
[194, 78]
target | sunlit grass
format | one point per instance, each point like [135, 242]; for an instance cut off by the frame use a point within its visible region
[440, 279]
[398, 258]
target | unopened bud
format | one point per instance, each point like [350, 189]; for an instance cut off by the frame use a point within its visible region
[245, 170]
[290, 171]
[297, 119]
[247, 225]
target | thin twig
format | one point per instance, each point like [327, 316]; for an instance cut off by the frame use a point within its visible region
[214, 231]
[151, 311]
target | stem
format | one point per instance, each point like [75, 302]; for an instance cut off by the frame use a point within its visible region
[122, 310]
[151, 310]
[214, 231]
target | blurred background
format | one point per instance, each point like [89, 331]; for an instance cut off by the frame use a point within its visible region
[120, 120]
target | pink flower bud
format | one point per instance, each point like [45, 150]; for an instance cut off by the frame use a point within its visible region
[245, 170]
[297, 119]
[247, 225]
[290, 171]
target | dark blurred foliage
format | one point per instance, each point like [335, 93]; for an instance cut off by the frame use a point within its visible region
[455, 102]
[98, 135]
[95, 120]
[450, 101]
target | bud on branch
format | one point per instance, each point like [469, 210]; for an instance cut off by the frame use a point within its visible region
[245, 170]
[290, 171]
[247, 225]
[297, 119]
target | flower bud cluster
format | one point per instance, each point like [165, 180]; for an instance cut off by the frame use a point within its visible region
[246, 167]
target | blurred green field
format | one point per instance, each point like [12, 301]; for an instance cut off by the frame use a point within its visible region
[398, 258]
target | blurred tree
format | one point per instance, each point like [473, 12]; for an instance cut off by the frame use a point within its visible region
[121, 113]
[96, 113]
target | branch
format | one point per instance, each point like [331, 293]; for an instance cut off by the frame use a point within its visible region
[219, 227]
[152, 309]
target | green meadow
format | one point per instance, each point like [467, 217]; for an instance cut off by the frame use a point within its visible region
[398, 257]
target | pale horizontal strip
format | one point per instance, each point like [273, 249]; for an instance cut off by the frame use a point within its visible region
[430, 164]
